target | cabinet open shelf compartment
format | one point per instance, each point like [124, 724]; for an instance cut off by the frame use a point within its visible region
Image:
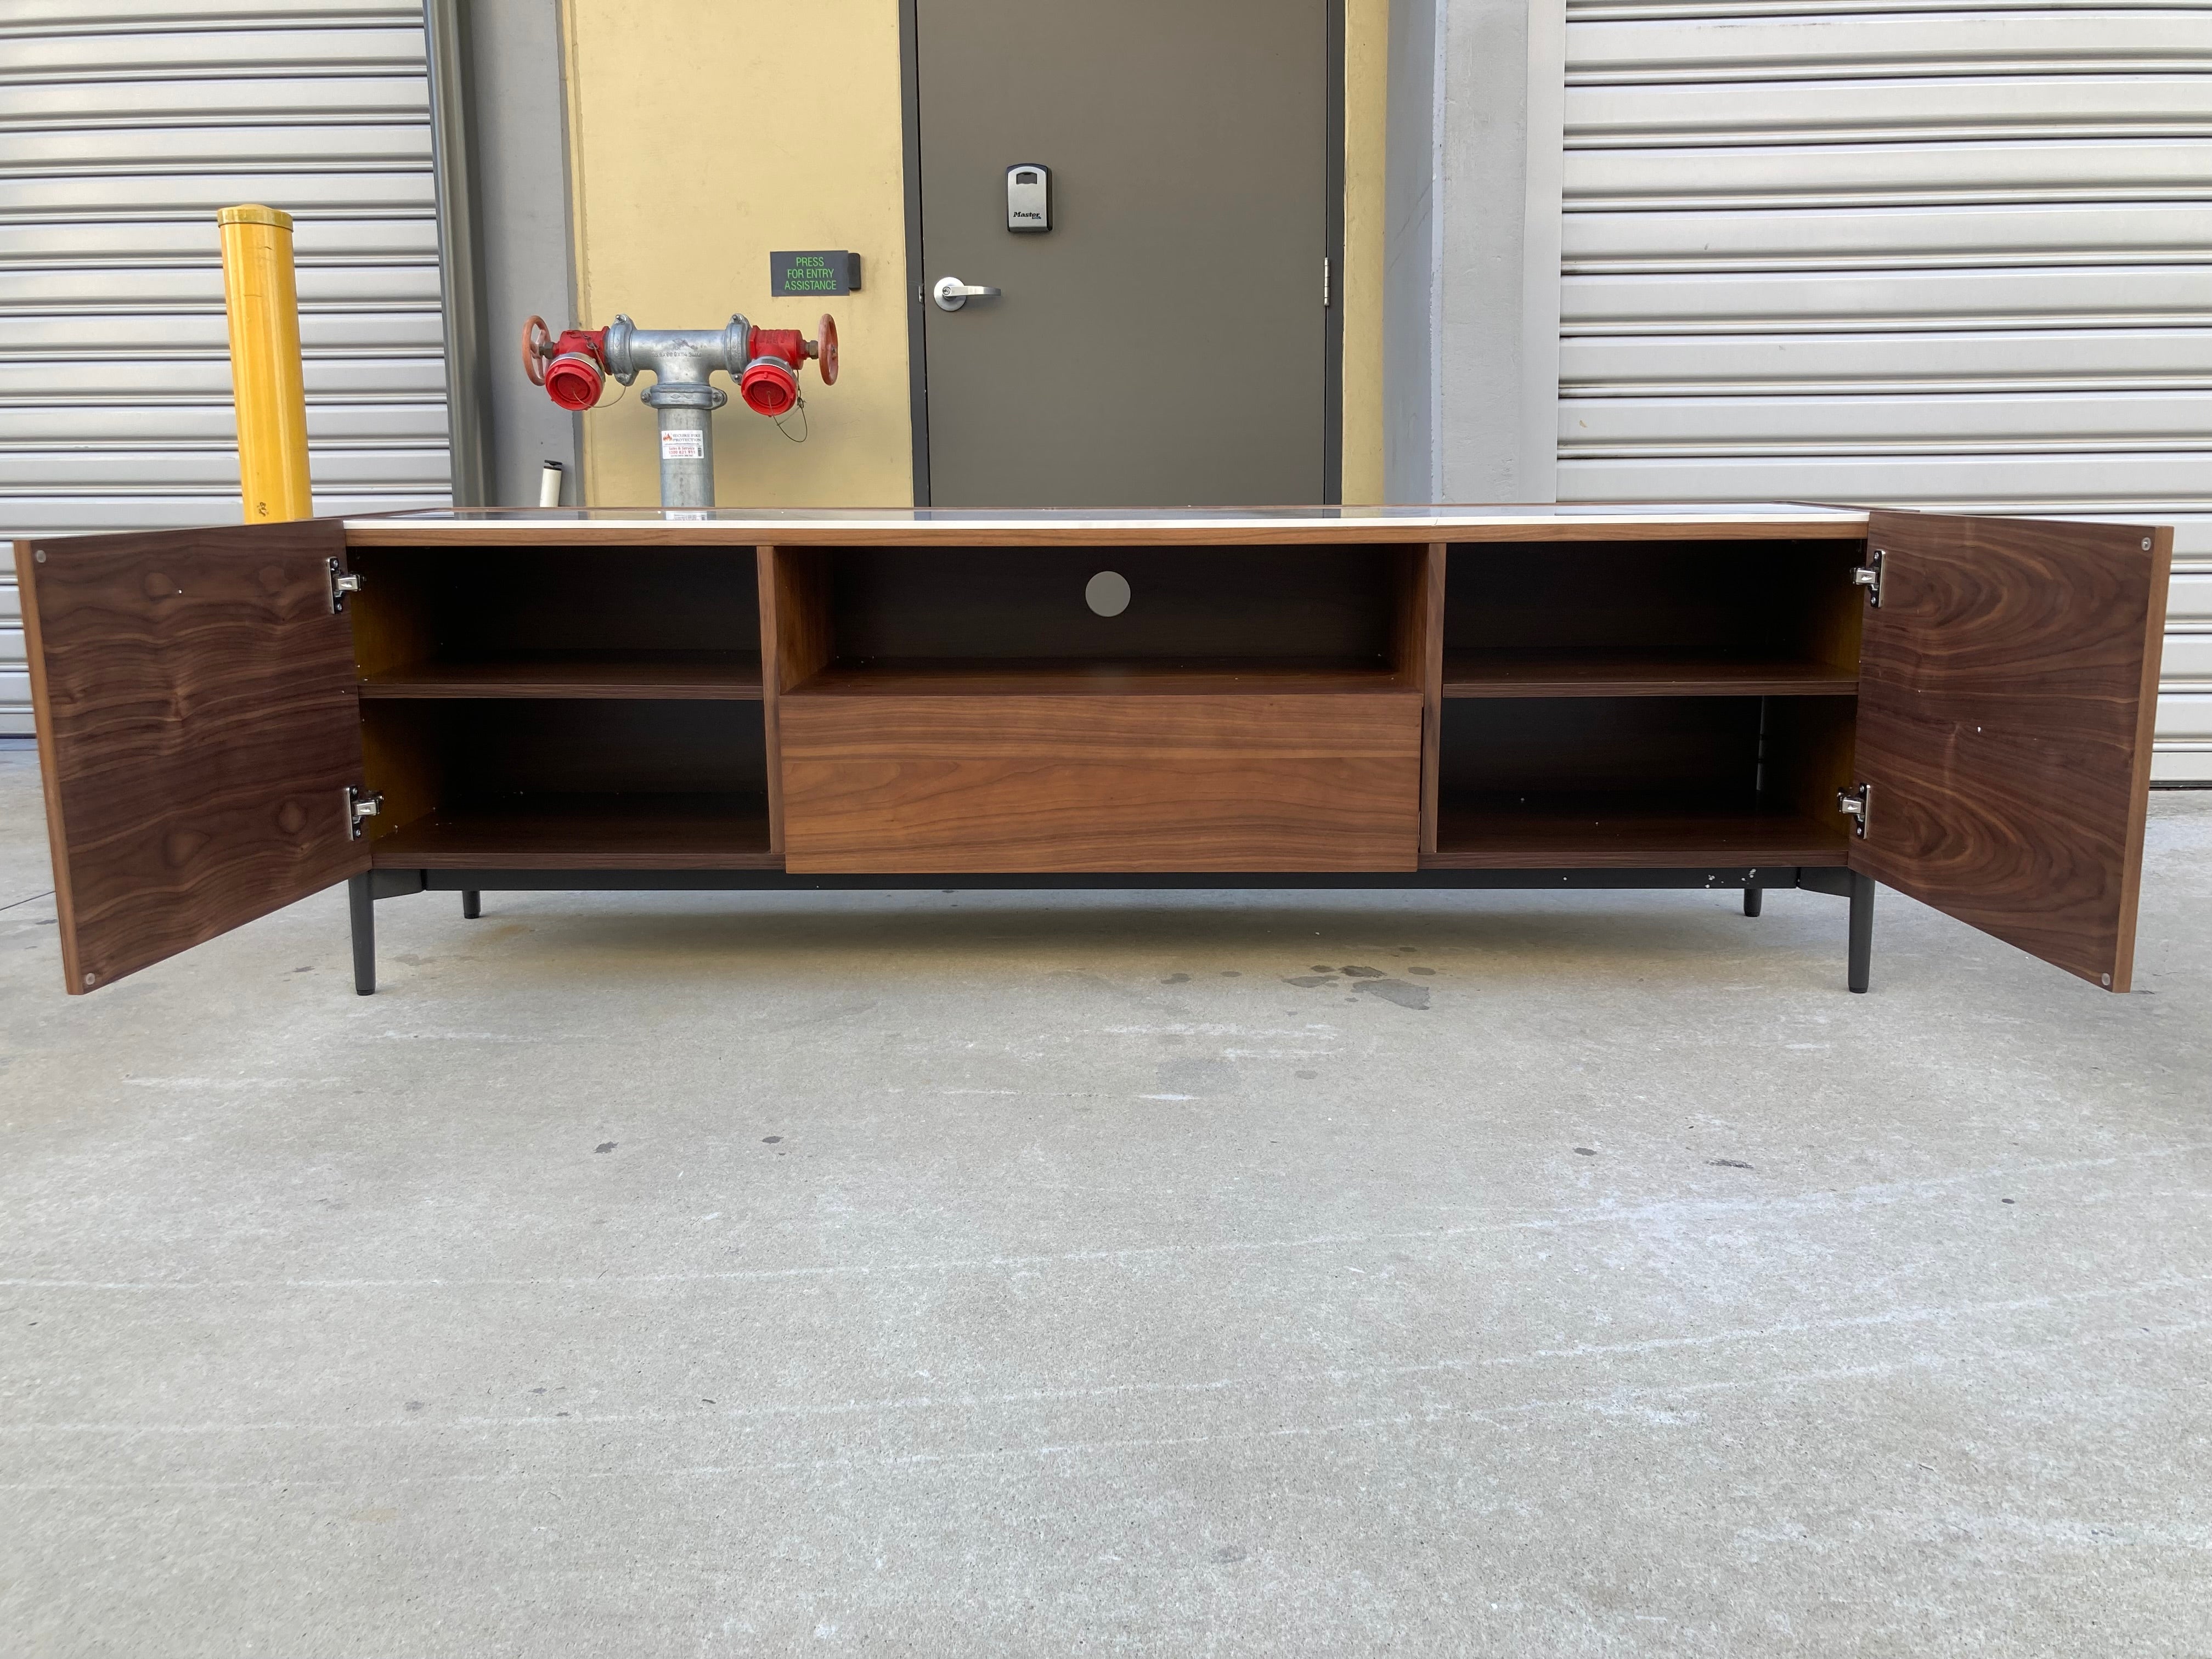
[1642, 782]
[1013, 620]
[548, 831]
[1643, 619]
[567, 783]
[574, 708]
[653, 625]
[1628, 832]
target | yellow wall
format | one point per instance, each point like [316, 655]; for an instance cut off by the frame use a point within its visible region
[702, 134]
[1366, 66]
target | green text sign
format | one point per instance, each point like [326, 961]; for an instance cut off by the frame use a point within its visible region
[824, 270]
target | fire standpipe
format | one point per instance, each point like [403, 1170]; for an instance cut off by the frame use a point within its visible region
[573, 368]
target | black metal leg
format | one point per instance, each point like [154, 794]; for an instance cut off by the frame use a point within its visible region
[1754, 899]
[1861, 966]
[363, 909]
[471, 903]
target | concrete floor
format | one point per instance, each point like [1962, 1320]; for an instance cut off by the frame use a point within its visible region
[676, 1274]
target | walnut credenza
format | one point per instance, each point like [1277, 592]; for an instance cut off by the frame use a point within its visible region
[1743, 697]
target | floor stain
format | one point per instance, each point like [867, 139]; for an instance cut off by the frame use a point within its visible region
[1395, 990]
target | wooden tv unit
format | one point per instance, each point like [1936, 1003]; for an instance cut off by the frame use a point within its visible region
[1540, 696]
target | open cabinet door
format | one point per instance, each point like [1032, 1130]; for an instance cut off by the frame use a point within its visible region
[198, 729]
[2007, 682]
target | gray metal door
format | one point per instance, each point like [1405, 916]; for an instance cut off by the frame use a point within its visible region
[1165, 343]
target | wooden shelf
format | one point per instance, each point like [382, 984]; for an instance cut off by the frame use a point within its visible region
[585, 832]
[1537, 832]
[1598, 674]
[661, 676]
[1090, 677]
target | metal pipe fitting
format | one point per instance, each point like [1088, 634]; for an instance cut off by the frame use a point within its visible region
[764, 361]
[680, 360]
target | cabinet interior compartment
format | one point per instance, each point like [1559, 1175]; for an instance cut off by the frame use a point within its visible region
[568, 783]
[1013, 620]
[965, 708]
[1618, 619]
[1642, 781]
[578, 623]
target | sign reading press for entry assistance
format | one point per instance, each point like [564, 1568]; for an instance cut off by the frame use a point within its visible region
[828, 270]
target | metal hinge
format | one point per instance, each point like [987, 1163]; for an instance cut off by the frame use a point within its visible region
[1856, 804]
[362, 804]
[1868, 576]
[1325, 274]
[343, 582]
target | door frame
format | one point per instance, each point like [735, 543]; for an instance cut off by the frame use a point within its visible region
[917, 316]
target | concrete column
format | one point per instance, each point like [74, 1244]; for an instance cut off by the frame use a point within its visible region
[1471, 280]
[522, 156]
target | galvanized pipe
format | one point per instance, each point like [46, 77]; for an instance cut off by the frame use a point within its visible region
[680, 360]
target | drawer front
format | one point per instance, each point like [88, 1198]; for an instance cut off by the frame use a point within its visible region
[899, 784]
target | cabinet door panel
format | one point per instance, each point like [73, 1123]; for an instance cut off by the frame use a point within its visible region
[198, 724]
[2007, 685]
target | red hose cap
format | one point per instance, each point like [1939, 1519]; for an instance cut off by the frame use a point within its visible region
[574, 381]
[768, 386]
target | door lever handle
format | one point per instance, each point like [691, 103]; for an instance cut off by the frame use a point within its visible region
[952, 294]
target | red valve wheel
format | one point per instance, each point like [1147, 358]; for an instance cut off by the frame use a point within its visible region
[537, 347]
[825, 350]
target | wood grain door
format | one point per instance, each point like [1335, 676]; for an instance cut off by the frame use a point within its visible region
[198, 725]
[2007, 682]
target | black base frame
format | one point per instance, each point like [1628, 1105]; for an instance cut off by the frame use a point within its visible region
[363, 890]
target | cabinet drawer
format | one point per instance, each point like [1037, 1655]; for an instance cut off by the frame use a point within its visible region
[1102, 782]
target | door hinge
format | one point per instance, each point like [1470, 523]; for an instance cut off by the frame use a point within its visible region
[1856, 804]
[343, 582]
[362, 804]
[1325, 275]
[1868, 576]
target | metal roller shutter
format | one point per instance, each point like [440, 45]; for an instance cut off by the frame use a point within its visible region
[1899, 253]
[124, 126]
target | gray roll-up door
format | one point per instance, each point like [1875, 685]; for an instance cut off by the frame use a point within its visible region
[124, 126]
[1898, 254]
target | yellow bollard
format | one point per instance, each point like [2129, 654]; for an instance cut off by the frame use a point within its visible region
[263, 303]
